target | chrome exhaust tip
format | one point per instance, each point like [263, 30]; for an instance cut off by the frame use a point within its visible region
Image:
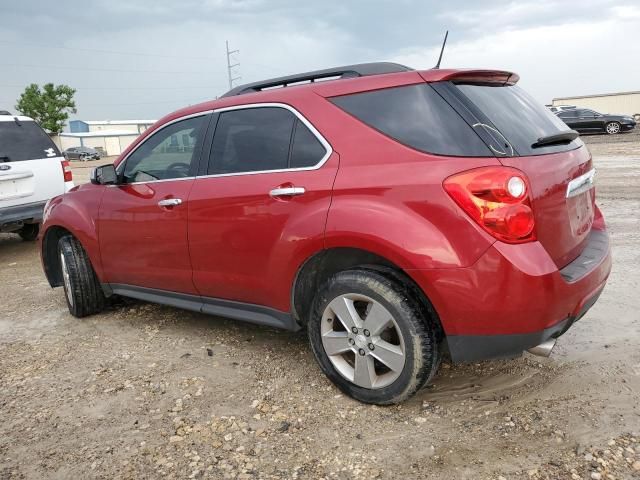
[544, 349]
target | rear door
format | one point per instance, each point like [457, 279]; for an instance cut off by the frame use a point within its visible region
[260, 208]
[142, 222]
[30, 163]
[563, 216]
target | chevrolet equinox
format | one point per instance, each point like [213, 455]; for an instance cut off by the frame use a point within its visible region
[397, 215]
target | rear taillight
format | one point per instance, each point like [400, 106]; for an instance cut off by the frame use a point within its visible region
[66, 170]
[498, 199]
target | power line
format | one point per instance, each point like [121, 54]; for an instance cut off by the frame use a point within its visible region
[186, 87]
[99, 69]
[184, 102]
[114, 52]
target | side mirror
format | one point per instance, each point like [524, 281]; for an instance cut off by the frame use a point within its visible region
[104, 175]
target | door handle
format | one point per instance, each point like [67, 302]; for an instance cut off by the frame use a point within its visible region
[287, 191]
[170, 202]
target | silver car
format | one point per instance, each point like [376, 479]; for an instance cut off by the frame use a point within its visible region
[81, 153]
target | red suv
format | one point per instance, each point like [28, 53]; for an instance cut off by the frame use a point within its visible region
[397, 215]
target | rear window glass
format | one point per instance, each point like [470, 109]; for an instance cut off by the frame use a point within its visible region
[24, 140]
[416, 116]
[519, 117]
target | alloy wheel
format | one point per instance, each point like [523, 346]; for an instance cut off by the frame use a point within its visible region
[66, 278]
[362, 341]
[613, 128]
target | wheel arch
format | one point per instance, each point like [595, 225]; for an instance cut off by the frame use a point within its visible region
[49, 252]
[318, 268]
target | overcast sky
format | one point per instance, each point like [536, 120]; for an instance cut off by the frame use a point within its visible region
[144, 58]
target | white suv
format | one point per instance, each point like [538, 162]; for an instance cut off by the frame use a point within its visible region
[32, 171]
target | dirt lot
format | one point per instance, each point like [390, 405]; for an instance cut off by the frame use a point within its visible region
[145, 391]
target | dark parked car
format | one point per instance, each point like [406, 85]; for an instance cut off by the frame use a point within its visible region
[81, 153]
[589, 121]
[396, 215]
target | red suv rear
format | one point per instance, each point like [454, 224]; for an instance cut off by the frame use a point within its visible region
[397, 215]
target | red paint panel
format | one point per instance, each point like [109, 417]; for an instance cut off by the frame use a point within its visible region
[143, 243]
[562, 224]
[247, 246]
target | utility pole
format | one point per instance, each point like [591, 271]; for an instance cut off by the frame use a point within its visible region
[230, 66]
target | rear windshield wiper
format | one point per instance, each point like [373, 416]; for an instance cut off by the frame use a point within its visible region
[4, 158]
[557, 138]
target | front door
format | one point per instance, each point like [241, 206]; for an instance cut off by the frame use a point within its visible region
[587, 120]
[143, 220]
[262, 208]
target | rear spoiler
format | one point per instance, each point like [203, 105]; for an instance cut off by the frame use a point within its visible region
[482, 77]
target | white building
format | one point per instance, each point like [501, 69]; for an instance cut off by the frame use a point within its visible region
[138, 126]
[110, 137]
[623, 103]
[109, 142]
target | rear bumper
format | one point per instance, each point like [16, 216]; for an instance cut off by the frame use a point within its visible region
[471, 348]
[515, 297]
[29, 213]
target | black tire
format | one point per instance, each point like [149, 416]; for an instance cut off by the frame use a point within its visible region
[612, 126]
[82, 289]
[29, 232]
[421, 335]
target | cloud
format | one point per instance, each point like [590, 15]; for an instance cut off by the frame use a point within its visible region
[558, 47]
[574, 58]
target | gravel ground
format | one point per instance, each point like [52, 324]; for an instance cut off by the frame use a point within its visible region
[627, 137]
[145, 391]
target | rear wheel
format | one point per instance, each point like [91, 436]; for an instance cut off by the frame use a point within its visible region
[29, 232]
[612, 128]
[81, 286]
[371, 339]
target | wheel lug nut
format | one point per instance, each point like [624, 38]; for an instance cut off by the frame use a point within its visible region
[361, 351]
[371, 346]
[366, 333]
[351, 341]
[354, 329]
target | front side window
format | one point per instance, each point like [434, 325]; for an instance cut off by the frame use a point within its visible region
[262, 139]
[167, 154]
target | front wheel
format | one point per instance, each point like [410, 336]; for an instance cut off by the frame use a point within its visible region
[81, 286]
[612, 128]
[371, 337]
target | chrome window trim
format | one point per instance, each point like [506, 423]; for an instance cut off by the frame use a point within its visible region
[323, 141]
[581, 184]
[175, 120]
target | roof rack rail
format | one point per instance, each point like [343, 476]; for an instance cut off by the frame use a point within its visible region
[348, 71]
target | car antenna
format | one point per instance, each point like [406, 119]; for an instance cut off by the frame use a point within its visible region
[446, 34]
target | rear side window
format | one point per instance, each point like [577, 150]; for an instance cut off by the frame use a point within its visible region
[416, 116]
[306, 149]
[251, 140]
[262, 139]
[24, 140]
[518, 117]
